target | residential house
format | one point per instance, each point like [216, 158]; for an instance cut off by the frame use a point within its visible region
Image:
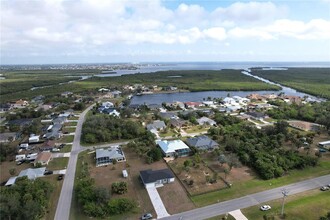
[48, 145]
[304, 125]
[66, 94]
[54, 132]
[193, 105]
[108, 155]
[175, 105]
[154, 107]
[111, 111]
[168, 115]
[104, 90]
[107, 105]
[156, 125]
[256, 115]
[8, 137]
[256, 97]
[154, 178]
[38, 99]
[5, 107]
[292, 99]
[43, 158]
[116, 93]
[20, 104]
[30, 173]
[229, 101]
[173, 148]
[209, 104]
[202, 143]
[241, 100]
[177, 123]
[206, 121]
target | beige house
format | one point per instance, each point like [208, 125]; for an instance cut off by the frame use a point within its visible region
[43, 158]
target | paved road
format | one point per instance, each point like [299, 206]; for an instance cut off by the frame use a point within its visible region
[64, 202]
[250, 200]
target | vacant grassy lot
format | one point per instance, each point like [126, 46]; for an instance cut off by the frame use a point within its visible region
[303, 206]
[66, 148]
[315, 81]
[67, 139]
[192, 80]
[58, 163]
[243, 188]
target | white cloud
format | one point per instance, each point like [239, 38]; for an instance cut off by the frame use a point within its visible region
[91, 27]
[217, 33]
[250, 33]
[240, 12]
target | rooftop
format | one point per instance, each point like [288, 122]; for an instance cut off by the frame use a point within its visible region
[151, 176]
[111, 152]
[171, 146]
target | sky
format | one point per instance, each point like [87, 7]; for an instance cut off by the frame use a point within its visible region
[111, 31]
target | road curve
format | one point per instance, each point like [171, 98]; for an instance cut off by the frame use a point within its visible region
[64, 202]
[250, 200]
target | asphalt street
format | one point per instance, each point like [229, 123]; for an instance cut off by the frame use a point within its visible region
[64, 202]
[250, 200]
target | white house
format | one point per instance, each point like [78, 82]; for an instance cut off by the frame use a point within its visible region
[173, 148]
[206, 121]
[154, 178]
[107, 156]
[108, 104]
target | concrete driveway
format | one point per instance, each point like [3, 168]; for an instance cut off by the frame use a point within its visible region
[57, 155]
[238, 215]
[157, 202]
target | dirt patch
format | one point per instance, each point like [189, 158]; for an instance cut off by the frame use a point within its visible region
[198, 174]
[6, 166]
[173, 195]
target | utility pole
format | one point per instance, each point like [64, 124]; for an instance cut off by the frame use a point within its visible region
[285, 194]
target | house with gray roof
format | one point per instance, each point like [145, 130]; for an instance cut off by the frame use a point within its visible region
[153, 178]
[106, 156]
[206, 121]
[202, 143]
[156, 125]
[30, 173]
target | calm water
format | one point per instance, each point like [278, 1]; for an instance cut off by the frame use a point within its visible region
[198, 96]
[212, 66]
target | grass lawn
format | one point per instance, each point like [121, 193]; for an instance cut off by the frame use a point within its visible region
[67, 139]
[169, 133]
[74, 118]
[71, 123]
[243, 188]
[303, 206]
[66, 148]
[69, 130]
[54, 197]
[58, 163]
[196, 129]
[220, 217]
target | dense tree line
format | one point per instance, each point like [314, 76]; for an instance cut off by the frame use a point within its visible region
[105, 128]
[25, 200]
[262, 149]
[145, 146]
[26, 113]
[316, 112]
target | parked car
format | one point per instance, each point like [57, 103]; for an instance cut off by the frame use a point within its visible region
[48, 172]
[146, 216]
[265, 207]
[62, 145]
[60, 177]
[55, 150]
[324, 188]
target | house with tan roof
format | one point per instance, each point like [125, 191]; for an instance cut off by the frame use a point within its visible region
[43, 158]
